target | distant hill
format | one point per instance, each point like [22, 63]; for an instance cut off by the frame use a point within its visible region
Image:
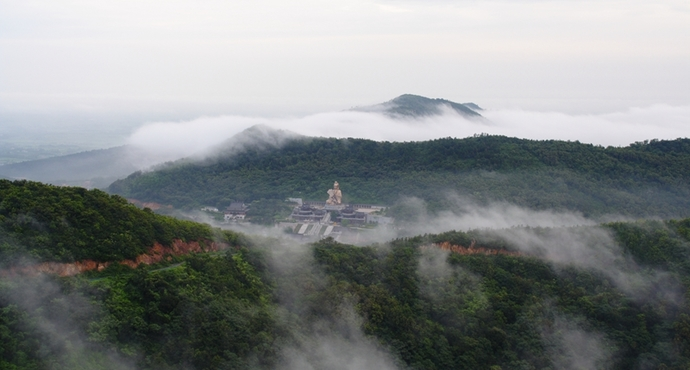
[99, 168]
[91, 169]
[257, 137]
[638, 180]
[409, 105]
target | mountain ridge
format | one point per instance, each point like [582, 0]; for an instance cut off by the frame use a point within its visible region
[94, 168]
[539, 174]
[99, 168]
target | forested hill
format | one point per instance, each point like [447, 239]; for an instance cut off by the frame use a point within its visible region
[612, 296]
[650, 178]
[408, 105]
[67, 224]
[405, 305]
[97, 167]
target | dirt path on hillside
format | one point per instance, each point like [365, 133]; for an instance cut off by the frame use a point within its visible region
[472, 249]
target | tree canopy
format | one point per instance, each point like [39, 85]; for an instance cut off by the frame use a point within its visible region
[67, 224]
[643, 179]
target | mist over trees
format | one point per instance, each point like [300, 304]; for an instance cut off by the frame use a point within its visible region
[491, 302]
[165, 168]
[643, 179]
[606, 296]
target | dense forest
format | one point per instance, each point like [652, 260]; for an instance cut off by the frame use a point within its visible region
[643, 179]
[66, 224]
[502, 299]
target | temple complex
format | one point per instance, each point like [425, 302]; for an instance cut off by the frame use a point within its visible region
[346, 223]
[333, 212]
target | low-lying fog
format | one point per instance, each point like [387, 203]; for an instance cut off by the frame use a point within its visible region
[562, 239]
[183, 138]
[29, 138]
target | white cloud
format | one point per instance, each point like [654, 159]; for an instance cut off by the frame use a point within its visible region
[356, 52]
[174, 140]
[617, 129]
[179, 139]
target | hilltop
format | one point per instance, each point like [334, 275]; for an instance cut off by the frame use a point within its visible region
[69, 224]
[408, 105]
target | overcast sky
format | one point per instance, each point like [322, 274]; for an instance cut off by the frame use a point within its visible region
[92, 72]
[297, 57]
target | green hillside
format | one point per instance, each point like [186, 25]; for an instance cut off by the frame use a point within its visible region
[66, 224]
[613, 296]
[264, 307]
[507, 312]
[643, 179]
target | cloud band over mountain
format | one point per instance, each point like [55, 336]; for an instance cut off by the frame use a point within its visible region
[175, 140]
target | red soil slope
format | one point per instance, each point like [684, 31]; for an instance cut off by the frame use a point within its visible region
[155, 254]
[472, 249]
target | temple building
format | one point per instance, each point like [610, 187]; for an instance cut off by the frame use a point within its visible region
[307, 213]
[236, 211]
[349, 215]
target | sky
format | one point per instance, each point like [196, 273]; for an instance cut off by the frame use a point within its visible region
[125, 63]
